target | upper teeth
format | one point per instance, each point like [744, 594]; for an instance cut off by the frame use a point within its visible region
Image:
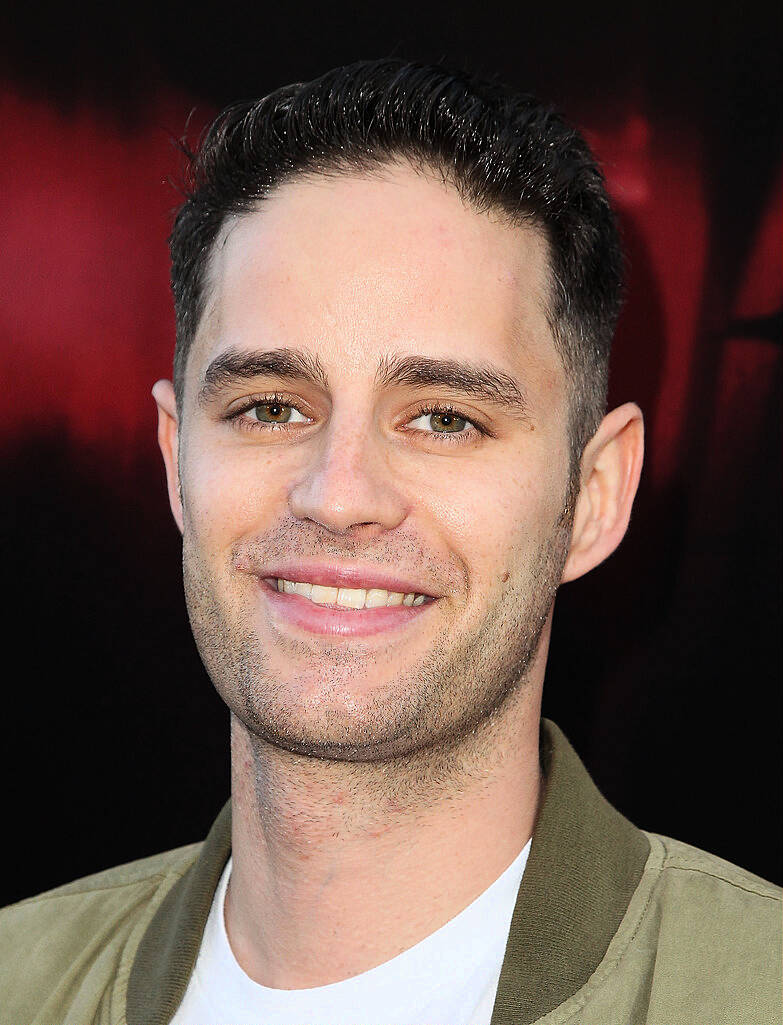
[349, 597]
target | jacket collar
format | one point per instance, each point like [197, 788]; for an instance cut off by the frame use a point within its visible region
[585, 862]
[167, 952]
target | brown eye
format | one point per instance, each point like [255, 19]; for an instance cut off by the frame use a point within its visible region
[272, 412]
[443, 421]
[450, 422]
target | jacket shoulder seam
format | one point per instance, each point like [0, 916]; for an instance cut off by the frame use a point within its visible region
[55, 895]
[721, 878]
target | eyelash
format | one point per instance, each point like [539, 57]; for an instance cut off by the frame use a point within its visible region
[450, 438]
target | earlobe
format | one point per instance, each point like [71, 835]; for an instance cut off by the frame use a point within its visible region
[611, 468]
[168, 439]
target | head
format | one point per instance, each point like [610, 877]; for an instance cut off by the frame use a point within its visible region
[421, 273]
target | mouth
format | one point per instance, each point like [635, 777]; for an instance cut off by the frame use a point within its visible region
[342, 611]
[348, 597]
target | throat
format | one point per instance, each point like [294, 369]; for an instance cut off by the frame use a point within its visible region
[320, 848]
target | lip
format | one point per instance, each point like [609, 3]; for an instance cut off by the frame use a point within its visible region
[329, 575]
[298, 611]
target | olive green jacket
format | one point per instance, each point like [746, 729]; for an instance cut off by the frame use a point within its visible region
[612, 926]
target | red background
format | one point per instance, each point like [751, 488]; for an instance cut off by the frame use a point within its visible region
[665, 670]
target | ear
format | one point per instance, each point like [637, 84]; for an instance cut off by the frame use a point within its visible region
[611, 467]
[168, 439]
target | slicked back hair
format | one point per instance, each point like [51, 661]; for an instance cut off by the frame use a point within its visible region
[501, 150]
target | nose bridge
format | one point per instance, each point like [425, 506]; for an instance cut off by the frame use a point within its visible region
[345, 480]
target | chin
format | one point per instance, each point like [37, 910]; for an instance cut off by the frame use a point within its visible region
[335, 738]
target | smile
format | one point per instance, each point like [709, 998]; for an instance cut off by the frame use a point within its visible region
[341, 612]
[350, 597]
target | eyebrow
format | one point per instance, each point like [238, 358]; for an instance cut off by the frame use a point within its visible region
[482, 381]
[479, 380]
[233, 367]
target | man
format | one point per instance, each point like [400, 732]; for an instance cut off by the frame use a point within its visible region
[386, 447]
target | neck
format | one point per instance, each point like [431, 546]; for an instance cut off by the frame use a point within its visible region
[380, 854]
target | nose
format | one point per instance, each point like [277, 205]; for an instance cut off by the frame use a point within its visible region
[346, 482]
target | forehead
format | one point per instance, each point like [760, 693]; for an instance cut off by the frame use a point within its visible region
[356, 265]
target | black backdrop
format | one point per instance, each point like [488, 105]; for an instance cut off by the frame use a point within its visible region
[665, 670]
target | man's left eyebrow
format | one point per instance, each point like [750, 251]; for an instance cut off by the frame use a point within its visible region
[479, 380]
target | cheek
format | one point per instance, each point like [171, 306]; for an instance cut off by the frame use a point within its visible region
[498, 516]
[228, 491]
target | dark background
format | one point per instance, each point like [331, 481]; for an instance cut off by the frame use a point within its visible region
[665, 670]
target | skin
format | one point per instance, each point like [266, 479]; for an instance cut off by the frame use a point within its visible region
[367, 773]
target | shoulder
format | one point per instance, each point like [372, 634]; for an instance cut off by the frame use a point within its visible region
[711, 903]
[716, 932]
[133, 873]
[691, 874]
[74, 938]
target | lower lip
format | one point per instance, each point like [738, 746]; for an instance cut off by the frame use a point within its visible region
[296, 610]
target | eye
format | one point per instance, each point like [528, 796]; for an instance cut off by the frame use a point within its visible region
[445, 423]
[272, 413]
[451, 422]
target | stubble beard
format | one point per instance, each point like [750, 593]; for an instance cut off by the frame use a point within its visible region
[443, 704]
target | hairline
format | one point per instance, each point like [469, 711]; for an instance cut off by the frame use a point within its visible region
[373, 167]
[553, 304]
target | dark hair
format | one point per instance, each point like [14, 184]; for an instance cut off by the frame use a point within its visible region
[500, 149]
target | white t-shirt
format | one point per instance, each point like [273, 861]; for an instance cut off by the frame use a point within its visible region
[449, 978]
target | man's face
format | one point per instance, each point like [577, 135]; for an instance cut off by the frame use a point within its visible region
[398, 299]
